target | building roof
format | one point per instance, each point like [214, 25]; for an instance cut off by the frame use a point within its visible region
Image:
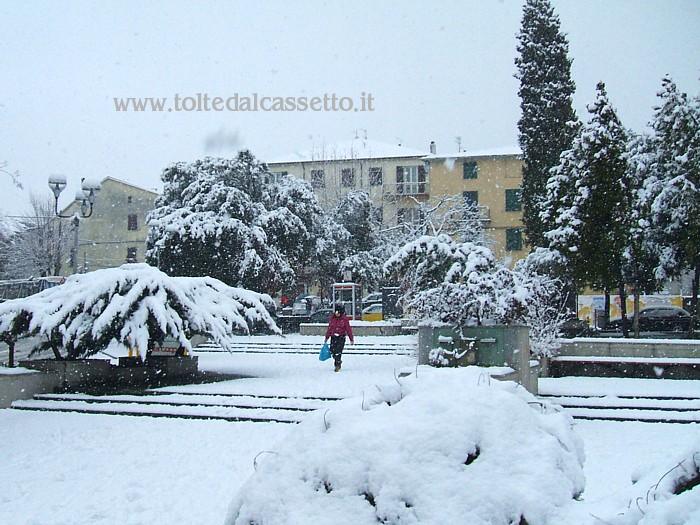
[351, 150]
[154, 192]
[492, 152]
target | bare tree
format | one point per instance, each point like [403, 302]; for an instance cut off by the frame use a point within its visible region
[14, 175]
[42, 243]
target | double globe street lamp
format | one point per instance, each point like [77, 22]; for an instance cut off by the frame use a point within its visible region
[85, 197]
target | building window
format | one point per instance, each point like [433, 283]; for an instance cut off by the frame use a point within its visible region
[469, 169]
[471, 198]
[410, 180]
[133, 223]
[277, 176]
[409, 215]
[131, 255]
[129, 199]
[378, 215]
[318, 178]
[375, 176]
[514, 239]
[513, 200]
[347, 177]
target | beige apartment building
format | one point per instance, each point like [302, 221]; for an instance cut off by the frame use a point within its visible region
[116, 231]
[398, 178]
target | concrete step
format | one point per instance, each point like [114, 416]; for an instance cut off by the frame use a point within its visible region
[220, 407]
[646, 409]
[310, 348]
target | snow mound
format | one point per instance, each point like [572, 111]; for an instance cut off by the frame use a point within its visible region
[446, 447]
[665, 493]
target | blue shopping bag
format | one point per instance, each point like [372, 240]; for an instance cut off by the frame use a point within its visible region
[325, 352]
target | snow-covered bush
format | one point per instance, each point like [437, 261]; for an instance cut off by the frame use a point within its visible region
[463, 284]
[664, 493]
[136, 305]
[225, 218]
[438, 449]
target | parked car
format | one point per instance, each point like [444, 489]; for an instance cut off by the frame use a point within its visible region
[574, 327]
[302, 307]
[373, 312]
[372, 298]
[322, 315]
[657, 319]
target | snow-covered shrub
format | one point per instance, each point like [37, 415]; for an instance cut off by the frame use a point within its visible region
[463, 284]
[438, 357]
[135, 305]
[664, 493]
[226, 219]
[437, 449]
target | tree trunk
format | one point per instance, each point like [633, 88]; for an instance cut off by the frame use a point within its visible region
[56, 352]
[694, 295]
[623, 309]
[11, 354]
[636, 314]
[606, 309]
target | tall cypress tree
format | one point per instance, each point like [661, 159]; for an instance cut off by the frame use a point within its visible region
[675, 187]
[548, 122]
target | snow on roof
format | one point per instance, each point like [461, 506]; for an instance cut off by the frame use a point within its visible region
[492, 152]
[351, 150]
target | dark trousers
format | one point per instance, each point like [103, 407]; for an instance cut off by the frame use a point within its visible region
[337, 345]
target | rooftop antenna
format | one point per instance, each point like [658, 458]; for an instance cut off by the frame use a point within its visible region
[357, 133]
[458, 140]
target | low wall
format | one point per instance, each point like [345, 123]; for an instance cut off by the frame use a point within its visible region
[643, 358]
[72, 372]
[601, 347]
[18, 383]
[359, 328]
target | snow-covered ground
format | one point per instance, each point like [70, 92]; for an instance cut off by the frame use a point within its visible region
[65, 468]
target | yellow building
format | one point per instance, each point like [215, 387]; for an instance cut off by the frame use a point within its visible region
[116, 231]
[492, 181]
[398, 178]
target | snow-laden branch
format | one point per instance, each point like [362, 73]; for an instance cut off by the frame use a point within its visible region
[135, 305]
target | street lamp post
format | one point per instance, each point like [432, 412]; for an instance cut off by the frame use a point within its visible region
[86, 197]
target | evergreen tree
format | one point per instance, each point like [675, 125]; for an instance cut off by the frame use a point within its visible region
[224, 218]
[588, 200]
[674, 187]
[355, 213]
[547, 125]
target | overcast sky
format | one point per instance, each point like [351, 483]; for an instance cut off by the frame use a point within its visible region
[434, 70]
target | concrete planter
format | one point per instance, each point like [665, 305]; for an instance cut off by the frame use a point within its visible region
[503, 346]
[24, 384]
[73, 372]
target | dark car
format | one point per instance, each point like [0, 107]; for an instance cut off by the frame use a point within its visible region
[574, 327]
[657, 319]
[321, 315]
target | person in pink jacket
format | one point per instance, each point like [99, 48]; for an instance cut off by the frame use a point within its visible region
[338, 329]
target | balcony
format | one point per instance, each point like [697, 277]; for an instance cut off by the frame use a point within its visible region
[418, 190]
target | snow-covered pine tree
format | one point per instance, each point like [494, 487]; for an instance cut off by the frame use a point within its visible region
[640, 257]
[587, 200]
[225, 218]
[675, 184]
[547, 125]
[135, 305]
[356, 214]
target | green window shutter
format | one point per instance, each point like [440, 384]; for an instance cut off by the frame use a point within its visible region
[513, 200]
[469, 169]
[514, 239]
[471, 197]
[421, 179]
